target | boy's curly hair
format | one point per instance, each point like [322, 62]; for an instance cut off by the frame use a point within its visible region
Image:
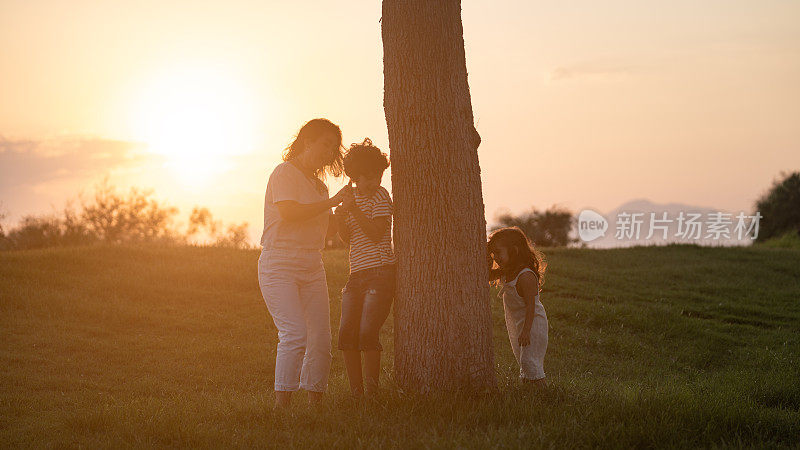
[364, 159]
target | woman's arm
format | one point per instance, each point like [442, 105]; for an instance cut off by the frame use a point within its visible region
[292, 211]
[527, 287]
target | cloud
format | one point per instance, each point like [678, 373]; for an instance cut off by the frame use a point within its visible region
[32, 162]
[41, 175]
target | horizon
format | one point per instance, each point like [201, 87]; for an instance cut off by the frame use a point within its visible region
[577, 105]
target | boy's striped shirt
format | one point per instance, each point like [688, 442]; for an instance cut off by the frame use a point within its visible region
[364, 253]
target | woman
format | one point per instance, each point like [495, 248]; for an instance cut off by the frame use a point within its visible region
[290, 272]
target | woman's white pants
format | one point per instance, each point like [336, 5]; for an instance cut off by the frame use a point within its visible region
[295, 290]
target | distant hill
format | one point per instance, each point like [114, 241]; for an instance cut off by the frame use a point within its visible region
[673, 211]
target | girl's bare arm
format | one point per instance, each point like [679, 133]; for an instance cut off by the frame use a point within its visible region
[527, 287]
[494, 273]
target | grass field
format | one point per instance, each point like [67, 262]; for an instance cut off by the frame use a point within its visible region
[670, 346]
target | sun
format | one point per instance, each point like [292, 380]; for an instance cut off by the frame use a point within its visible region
[197, 118]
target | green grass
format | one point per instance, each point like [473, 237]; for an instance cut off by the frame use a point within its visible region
[659, 346]
[789, 239]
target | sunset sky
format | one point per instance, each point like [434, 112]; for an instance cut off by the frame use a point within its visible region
[580, 103]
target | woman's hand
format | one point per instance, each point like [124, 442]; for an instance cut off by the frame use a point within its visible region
[349, 201]
[525, 338]
[293, 211]
[343, 192]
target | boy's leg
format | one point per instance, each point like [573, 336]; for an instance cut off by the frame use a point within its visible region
[352, 303]
[372, 370]
[377, 306]
[352, 364]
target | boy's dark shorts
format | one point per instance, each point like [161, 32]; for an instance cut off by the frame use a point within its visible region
[366, 303]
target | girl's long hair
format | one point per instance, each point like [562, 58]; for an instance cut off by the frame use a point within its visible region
[521, 252]
[311, 131]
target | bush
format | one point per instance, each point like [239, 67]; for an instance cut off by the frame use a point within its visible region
[36, 232]
[115, 218]
[780, 208]
[202, 223]
[549, 228]
[48, 231]
[787, 240]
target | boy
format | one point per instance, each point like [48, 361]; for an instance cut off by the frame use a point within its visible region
[364, 220]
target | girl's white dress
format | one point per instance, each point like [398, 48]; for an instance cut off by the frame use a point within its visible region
[530, 357]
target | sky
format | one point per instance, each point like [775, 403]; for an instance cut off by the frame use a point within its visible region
[579, 104]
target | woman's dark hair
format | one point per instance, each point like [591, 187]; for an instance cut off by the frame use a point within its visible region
[310, 132]
[521, 254]
[364, 159]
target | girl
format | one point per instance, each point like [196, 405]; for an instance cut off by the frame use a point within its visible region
[365, 221]
[520, 273]
[297, 213]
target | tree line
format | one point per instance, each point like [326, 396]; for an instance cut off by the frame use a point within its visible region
[111, 216]
[132, 217]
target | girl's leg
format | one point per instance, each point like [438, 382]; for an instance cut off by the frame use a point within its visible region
[532, 355]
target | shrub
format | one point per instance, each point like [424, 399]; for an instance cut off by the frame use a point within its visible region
[120, 218]
[549, 228]
[780, 208]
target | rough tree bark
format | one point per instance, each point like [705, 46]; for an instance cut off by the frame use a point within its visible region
[443, 331]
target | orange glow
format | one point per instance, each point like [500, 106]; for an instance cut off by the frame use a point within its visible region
[196, 118]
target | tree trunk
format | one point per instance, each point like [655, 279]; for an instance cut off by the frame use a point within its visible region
[443, 329]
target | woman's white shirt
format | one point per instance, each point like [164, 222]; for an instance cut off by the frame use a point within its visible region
[287, 182]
